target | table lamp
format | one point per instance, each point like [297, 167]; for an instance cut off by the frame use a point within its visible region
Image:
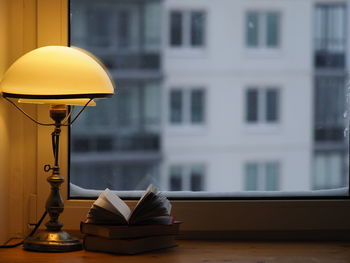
[58, 76]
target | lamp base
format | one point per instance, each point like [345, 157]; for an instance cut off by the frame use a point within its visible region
[52, 241]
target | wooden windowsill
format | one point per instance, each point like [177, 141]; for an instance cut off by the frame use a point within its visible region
[203, 251]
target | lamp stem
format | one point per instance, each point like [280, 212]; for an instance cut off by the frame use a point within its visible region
[53, 238]
[54, 204]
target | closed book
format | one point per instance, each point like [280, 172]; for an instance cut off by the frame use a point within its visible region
[128, 246]
[129, 231]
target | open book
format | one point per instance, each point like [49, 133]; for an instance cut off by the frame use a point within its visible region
[152, 208]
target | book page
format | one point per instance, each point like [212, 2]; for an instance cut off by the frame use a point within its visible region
[113, 203]
[150, 189]
[151, 204]
[118, 203]
[99, 215]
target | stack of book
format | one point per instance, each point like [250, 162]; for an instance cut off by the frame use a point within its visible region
[112, 227]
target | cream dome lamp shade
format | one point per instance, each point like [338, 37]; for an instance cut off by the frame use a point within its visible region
[57, 75]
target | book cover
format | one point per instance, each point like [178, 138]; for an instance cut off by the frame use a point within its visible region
[129, 231]
[128, 246]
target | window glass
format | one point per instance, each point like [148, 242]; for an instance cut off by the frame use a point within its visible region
[152, 27]
[251, 177]
[272, 177]
[176, 30]
[98, 23]
[272, 100]
[123, 28]
[331, 92]
[328, 170]
[272, 29]
[197, 106]
[330, 35]
[252, 29]
[197, 28]
[197, 175]
[205, 102]
[252, 105]
[176, 106]
[262, 29]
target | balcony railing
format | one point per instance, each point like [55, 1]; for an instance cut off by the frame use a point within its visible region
[115, 143]
[132, 61]
[329, 53]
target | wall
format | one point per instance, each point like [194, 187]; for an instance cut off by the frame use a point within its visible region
[4, 131]
[18, 134]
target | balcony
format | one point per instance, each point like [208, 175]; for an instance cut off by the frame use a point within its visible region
[329, 53]
[115, 143]
[132, 61]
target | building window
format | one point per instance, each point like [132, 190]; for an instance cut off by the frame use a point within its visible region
[262, 176]
[329, 170]
[187, 106]
[262, 105]
[330, 97]
[187, 29]
[262, 29]
[330, 35]
[99, 26]
[186, 178]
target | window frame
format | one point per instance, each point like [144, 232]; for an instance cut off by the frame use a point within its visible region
[186, 174]
[186, 93]
[262, 33]
[262, 174]
[261, 49]
[186, 28]
[224, 218]
[262, 113]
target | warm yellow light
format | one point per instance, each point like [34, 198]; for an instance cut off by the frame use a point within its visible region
[52, 73]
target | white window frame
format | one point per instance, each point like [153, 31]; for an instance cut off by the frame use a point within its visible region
[185, 49]
[186, 28]
[261, 167]
[262, 29]
[262, 50]
[262, 125]
[186, 93]
[186, 175]
[202, 218]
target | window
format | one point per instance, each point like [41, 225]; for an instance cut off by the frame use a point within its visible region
[186, 177]
[187, 106]
[111, 27]
[262, 29]
[262, 105]
[330, 35]
[262, 176]
[97, 19]
[328, 170]
[330, 90]
[177, 108]
[187, 29]
[274, 216]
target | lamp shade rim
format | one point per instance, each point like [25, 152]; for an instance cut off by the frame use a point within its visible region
[55, 96]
